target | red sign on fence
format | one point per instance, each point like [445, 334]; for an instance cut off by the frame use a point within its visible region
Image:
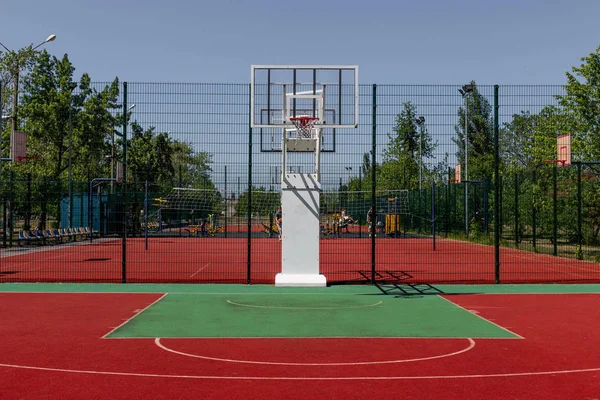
[457, 172]
[19, 147]
[119, 171]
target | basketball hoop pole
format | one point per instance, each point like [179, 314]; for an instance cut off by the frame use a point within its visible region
[300, 194]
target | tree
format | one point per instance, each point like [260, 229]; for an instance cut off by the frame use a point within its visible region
[149, 156]
[13, 65]
[49, 108]
[167, 162]
[582, 104]
[479, 135]
[263, 202]
[409, 144]
[193, 167]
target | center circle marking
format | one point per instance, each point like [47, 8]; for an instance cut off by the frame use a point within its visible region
[303, 308]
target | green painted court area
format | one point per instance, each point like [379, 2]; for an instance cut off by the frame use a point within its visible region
[271, 315]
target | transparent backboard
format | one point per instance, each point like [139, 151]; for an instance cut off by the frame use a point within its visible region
[279, 92]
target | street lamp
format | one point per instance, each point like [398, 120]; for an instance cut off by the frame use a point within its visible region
[349, 169]
[16, 69]
[15, 66]
[112, 151]
[466, 89]
[421, 122]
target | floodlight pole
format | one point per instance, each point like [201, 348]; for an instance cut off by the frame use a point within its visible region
[72, 86]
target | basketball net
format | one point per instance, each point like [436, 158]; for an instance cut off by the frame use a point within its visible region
[305, 125]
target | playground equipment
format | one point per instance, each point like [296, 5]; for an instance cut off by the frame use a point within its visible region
[396, 206]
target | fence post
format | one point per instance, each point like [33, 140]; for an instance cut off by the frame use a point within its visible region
[11, 204]
[226, 202]
[534, 211]
[179, 213]
[485, 205]
[249, 239]
[146, 214]
[373, 227]
[497, 189]
[579, 217]
[516, 209]
[125, 211]
[554, 212]
[501, 217]
[433, 213]
[4, 222]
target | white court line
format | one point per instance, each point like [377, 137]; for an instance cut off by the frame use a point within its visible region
[471, 346]
[302, 378]
[305, 308]
[479, 316]
[8, 284]
[199, 270]
[135, 315]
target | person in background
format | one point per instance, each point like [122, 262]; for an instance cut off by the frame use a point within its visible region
[278, 220]
[371, 216]
[344, 221]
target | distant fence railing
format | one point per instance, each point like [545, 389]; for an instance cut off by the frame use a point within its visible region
[202, 188]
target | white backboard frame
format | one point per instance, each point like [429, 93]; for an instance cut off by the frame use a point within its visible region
[284, 124]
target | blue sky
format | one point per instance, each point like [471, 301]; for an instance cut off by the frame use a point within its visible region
[392, 41]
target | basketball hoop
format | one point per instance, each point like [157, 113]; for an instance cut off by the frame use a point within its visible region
[305, 125]
[559, 163]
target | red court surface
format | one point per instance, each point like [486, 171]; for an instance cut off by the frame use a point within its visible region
[52, 347]
[193, 260]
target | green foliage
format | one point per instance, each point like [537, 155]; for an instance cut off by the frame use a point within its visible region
[578, 252]
[71, 128]
[158, 158]
[529, 141]
[480, 135]
[410, 144]
[191, 167]
[263, 202]
[150, 156]
[582, 103]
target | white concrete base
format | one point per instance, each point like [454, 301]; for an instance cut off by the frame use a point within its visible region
[300, 280]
